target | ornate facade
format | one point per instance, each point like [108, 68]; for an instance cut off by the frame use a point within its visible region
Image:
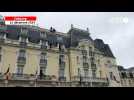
[126, 76]
[42, 57]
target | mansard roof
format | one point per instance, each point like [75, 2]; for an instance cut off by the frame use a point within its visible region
[80, 33]
[99, 44]
[71, 38]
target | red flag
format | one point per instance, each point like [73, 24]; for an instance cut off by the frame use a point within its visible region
[7, 71]
[7, 74]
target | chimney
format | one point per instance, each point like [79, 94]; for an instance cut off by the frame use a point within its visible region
[88, 30]
[71, 26]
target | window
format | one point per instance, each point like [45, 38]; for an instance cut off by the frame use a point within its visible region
[22, 56]
[61, 61]
[23, 40]
[94, 73]
[83, 47]
[92, 59]
[77, 58]
[24, 31]
[42, 71]
[59, 39]
[123, 75]
[86, 72]
[91, 53]
[43, 59]
[62, 57]
[0, 53]
[100, 73]
[90, 48]
[61, 47]
[85, 65]
[84, 58]
[43, 55]
[61, 73]
[44, 44]
[1, 36]
[84, 52]
[43, 35]
[131, 75]
[111, 75]
[22, 53]
[20, 70]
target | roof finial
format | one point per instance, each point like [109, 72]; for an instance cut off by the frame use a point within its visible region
[71, 26]
[87, 29]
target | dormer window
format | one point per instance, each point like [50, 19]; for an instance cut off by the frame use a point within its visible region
[43, 35]
[59, 39]
[90, 48]
[24, 32]
[44, 44]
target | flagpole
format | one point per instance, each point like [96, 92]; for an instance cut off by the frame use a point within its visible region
[6, 80]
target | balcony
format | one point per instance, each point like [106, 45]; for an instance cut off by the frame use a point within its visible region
[61, 50]
[62, 78]
[88, 79]
[93, 66]
[43, 47]
[91, 53]
[43, 62]
[23, 44]
[22, 77]
[85, 65]
[84, 52]
[85, 59]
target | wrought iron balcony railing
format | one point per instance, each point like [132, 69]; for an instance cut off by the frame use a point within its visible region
[85, 65]
[62, 78]
[84, 52]
[88, 79]
[43, 62]
[23, 44]
[93, 66]
[27, 77]
[43, 47]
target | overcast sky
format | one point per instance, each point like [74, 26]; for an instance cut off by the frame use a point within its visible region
[115, 28]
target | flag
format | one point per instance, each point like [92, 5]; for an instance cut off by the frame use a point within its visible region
[36, 75]
[7, 71]
[7, 74]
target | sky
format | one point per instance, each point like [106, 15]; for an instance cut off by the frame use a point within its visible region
[115, 28]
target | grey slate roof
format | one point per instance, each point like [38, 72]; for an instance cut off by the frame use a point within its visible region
[99, 44]
[70, 39]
